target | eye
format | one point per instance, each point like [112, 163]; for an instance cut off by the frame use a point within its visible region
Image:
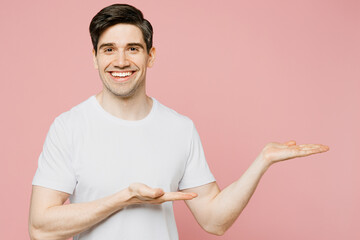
[108, 50]
[133, 49]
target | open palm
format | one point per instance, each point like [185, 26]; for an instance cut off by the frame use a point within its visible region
[275, 152]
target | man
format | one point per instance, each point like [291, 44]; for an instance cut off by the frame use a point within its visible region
[122, 157]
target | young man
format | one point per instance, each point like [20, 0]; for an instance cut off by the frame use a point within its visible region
[122, 157]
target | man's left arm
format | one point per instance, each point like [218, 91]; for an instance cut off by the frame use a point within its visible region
[216, 210]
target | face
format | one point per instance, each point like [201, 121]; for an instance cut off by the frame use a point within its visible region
[122, 60]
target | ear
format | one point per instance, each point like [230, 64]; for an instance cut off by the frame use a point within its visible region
[95, 60]
[151, 59]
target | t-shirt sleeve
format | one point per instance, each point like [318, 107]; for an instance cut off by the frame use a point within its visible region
[197, 171]
[55, 168]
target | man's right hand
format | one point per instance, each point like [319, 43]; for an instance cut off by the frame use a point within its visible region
[141, 193]
[47, 208]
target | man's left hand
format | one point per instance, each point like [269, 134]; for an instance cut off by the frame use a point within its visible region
[275, 152]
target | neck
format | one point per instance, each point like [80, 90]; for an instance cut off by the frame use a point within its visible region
[130, 108]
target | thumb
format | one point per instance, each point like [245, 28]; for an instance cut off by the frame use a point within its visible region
[290, 143]
[147, 191]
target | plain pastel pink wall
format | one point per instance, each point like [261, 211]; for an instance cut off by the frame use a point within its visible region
[246, 72]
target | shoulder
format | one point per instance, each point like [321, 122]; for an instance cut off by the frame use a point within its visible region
[74, 118]
[77, 112]
[172, 117]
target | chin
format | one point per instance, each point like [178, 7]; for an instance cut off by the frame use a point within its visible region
[126, 94]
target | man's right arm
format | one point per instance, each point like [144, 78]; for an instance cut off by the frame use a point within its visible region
[50, 219]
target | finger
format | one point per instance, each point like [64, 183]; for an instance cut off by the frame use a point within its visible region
[174, 196]
[308, 149]
[314, 146]
[170, 196]
[148, 192]
[158, 192]
[290, 143]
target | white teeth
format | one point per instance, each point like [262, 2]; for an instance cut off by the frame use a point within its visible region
[121, 74]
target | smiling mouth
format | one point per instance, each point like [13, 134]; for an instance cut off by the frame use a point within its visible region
[121, 76]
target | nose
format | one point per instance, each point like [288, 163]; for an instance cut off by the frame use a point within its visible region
[121, 60]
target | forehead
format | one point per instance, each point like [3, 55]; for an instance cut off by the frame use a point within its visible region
[121, 34]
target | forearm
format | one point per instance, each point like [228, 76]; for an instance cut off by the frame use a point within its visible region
[228, 204]
[65, 221]
[216, 210]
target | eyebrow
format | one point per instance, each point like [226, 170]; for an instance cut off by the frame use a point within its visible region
[129, 44]
[106, 45]
[136, 44]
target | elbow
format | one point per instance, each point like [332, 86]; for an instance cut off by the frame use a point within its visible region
[35, 229]
[218, 233]
[34, 233]
[37, 233]
[215, 230]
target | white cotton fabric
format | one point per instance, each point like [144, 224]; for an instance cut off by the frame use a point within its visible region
[90, 154]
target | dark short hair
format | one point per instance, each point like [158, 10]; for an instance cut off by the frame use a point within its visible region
[120, 13]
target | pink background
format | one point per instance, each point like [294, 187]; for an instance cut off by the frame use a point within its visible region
[246, 72]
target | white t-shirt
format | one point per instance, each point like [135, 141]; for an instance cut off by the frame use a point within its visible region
[90, 154]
